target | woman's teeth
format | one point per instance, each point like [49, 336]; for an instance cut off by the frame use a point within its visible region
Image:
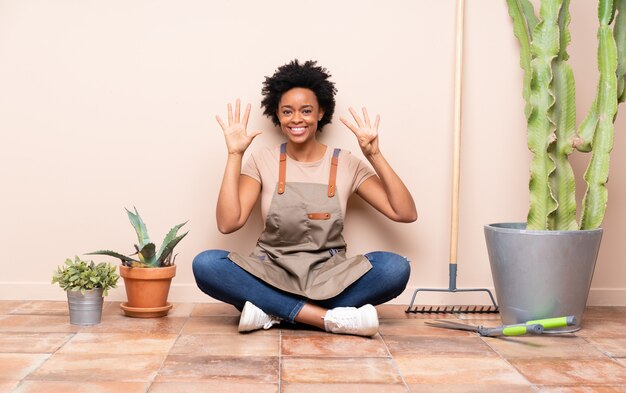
[298, 130]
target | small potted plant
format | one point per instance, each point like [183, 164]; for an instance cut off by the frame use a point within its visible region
[147, 273]
[86, 284]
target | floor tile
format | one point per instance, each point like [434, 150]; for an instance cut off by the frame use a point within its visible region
[83, 387]
[124, 324]
[226, 345]
[178, 309]
[300, 330]
[213, 325]
[416, 327]
[247, 369]
[582, 389]
[6, 306]
[393, 311]
[333, 346]
[18, 365]
[339, 370]
[197, 348]
[438, 346]
[470, 320]
[602, 327]
[481, 317]
[111, 309]
[212, 387]
[558, 372]
[8, 386]
[32, 342]
[343, 388]
[214, 310]
[614, 347]
[181, 310]
[458, 370]
[603, 312]
[99, 367]
[398, 311]
[471, 388]
[220, 325]
[40, 307]
[119, 343]
[543, 346]
[37, 324]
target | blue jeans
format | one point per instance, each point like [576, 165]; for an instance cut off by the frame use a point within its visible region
[222, 279]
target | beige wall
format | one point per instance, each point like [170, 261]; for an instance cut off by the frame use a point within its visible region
[107, 104]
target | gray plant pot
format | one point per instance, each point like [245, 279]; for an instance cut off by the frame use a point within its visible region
[85, 309]
[541, 274]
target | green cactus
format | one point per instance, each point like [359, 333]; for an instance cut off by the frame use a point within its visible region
[146, 250]
[548, 89]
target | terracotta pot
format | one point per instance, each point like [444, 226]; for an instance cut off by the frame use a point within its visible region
[147, 288]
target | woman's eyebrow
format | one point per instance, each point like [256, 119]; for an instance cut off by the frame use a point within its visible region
[303, 106]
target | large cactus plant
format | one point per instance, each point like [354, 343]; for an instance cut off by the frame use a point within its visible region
[548, 89]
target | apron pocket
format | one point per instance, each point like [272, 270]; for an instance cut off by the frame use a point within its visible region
[292, 225]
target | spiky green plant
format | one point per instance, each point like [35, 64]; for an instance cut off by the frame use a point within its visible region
[548, 89]
[147, 256]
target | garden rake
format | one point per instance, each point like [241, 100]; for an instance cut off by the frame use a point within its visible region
[454, 224]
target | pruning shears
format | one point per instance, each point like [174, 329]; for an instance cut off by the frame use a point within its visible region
[531, 327]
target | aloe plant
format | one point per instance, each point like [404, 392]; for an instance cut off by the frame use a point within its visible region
[146, 254]
[548, 88]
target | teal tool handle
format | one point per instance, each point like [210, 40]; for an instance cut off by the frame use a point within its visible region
[552, 323]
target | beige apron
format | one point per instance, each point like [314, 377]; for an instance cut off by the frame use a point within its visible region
[301, 249]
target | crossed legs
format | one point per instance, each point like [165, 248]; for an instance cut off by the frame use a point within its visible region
[220, 278]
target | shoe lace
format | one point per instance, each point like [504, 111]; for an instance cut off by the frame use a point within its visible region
[272, 321]
[344, 321]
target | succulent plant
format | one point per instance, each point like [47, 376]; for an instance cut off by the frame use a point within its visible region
[146, 253]
[79, 275]
[548, 89]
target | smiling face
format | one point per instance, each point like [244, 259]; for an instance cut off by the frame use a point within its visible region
[298, 113]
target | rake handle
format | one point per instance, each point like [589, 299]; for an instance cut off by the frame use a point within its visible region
[456, 156]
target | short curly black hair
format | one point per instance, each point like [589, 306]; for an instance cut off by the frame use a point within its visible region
[308, 75]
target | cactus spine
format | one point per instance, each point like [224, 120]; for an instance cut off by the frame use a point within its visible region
[548, 89]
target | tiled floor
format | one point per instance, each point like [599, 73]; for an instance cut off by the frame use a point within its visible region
[197, 349]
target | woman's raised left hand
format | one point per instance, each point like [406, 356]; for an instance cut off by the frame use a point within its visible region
[366, 134]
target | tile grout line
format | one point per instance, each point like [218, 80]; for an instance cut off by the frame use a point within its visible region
[394, 363]
[153, 379]
[604, 353]
[71, 335]
[532, 385]
[280, 359]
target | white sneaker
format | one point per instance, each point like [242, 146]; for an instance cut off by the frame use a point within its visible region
[253, 318]
[361, 321]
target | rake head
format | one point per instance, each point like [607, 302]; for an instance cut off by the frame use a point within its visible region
[488, 309]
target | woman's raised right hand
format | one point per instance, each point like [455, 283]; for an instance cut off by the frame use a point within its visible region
[235, 133]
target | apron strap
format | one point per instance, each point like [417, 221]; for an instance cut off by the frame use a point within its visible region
[282, 168]
[333, 173]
